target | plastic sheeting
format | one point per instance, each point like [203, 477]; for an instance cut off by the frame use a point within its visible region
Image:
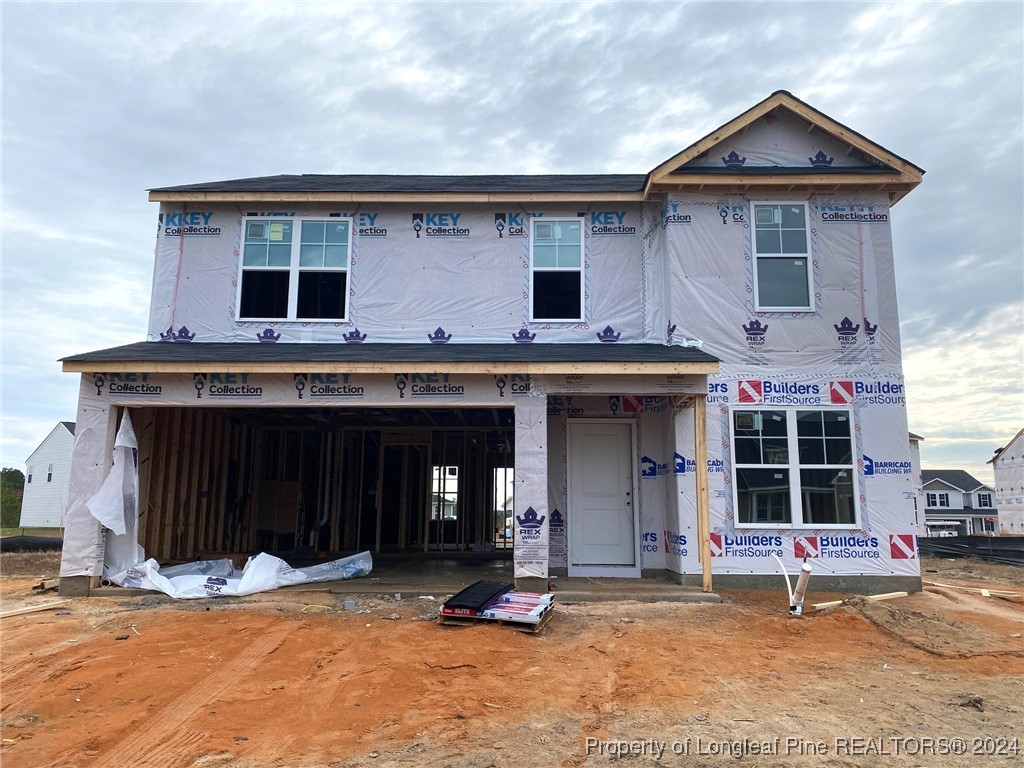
[82, 554]
[665, 450]
[530, 554]
[405, 282]
[883, 540]
[116, 505]
[853, 324]
[218, 578]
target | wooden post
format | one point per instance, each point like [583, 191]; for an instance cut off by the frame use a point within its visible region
[700, 432]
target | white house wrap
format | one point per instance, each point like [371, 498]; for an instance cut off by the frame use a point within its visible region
[339, 363]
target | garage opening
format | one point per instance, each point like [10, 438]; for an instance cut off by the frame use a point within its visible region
[309, 482]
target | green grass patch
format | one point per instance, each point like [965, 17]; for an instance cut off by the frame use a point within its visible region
[32, 532]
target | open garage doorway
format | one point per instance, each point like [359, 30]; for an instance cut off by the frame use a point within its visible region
[311, 482]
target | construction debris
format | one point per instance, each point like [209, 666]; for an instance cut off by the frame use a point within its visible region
[34, 608]
[1016, 597]
[872, 598]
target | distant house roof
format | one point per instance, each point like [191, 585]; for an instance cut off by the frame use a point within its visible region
[195, 357]
[914, 437]
[957, 478]
[69, 426]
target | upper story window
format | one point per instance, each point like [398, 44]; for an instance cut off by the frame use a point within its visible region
[984, 499]
[782, 258]
[28, 474]
[49, 473]
[295, 269]
[556, 269]
[937, 499]
[793, 468]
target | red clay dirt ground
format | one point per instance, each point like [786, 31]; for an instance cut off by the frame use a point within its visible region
[290, 679]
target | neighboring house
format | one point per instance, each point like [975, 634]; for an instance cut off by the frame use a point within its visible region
[1008, 469]
[47, 472]
[957, 504]
[691, 371]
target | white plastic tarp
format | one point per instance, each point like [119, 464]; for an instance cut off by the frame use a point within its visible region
[218, 578]
[116, 504]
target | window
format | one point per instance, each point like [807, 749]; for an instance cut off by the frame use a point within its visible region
[28, 474]
[937, 500]
[444, 502]
[556, 269]
[984, 499]
[793, 468]
[294, 269]
[782, 257]
[49, 472]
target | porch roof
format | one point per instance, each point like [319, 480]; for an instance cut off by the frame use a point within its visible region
[228, 357]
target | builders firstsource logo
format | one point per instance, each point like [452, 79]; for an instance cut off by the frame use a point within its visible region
[867, 392]
[837, 547]
[770, 392]
[755, 545]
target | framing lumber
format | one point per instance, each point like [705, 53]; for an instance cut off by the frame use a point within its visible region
[872, 598]
[703, 500]
[34, 608]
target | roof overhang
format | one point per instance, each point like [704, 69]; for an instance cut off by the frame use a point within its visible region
[603, 359]
[159, 196]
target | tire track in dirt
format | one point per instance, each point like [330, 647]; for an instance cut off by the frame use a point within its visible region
[160, 740]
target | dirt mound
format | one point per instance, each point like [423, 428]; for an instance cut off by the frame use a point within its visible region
[292, 679]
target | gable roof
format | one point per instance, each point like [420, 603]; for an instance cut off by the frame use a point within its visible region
[955, 478]
[878, 169]
[884, 170]
[68, 425]
[1006, 447]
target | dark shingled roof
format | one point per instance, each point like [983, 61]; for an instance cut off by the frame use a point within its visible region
[162, 351]
[69, 426]
[421, 184]
[955, 477]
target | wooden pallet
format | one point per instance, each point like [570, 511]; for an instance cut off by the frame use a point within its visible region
[520, 626]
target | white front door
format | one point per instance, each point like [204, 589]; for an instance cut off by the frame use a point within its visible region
[602, 515]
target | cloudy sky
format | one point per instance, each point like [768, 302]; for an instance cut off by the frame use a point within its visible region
[102, 101]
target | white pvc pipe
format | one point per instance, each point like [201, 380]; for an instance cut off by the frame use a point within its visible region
[801, 589]
[789, 586]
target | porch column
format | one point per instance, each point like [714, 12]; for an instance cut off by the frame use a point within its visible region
[81, 561]
[530, 505]
[700, 443]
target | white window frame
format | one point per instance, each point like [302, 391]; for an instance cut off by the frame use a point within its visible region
[49, 473]
[28, 474]
[756, 257]
[294, 269]
[794, 466]
[580, 269]
[985, 500]
[936, 499]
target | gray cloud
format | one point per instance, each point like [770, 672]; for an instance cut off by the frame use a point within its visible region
[101, 102]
